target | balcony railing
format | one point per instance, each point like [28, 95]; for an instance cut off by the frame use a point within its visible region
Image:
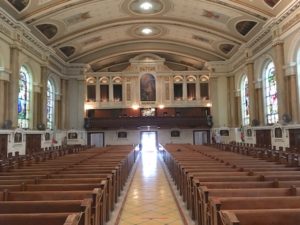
[138, 122]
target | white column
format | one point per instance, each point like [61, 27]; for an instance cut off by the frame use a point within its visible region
[110, 90]
[213, 84]
[184, 87]
[279, 63]
[251, 88]
[171, 86]
[97, 89]
[198, 88]
[44, 81]
[14, 85]
[4, 81]
[292, 88]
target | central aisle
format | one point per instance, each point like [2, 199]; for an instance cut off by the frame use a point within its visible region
[150, 200]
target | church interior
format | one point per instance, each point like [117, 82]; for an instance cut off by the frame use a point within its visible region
[176, 107]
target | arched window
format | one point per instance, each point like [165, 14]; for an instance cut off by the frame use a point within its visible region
[245, 101]
[24, 98]
[50, 104]
[270, 93]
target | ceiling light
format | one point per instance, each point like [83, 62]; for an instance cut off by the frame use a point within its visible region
[147, 31]
[146, 6]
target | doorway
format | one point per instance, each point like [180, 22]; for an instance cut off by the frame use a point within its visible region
[201, 137]
[96, 139]
[148, 141]
[263, 138]
[33, 143]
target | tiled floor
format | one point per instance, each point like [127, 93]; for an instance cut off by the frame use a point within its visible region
[149, 200]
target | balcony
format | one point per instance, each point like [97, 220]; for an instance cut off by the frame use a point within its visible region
[139, 122]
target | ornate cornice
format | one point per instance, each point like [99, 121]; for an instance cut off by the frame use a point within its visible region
[274, 22]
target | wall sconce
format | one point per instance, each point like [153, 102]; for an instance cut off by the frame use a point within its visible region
[87, 107]
[161, 106]
[135, 106]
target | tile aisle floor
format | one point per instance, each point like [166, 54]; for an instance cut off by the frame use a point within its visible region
[149, 200]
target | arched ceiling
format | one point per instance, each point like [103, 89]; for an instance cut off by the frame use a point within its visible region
[107, 33]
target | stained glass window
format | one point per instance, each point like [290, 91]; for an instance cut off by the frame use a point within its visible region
[50, 104]
[24, 98]
[245, 101]
[270, 88]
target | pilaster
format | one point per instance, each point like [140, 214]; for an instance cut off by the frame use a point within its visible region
[250, 76]
[43, 99]
[237, 95]
[259, 102]
[14, 85]
[279, 63]
[184, 89]
[213, 84]
[292, 98]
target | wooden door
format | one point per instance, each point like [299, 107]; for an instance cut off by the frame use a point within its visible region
[294, 138]
[33, 143]
[3, 146]
[263, 138]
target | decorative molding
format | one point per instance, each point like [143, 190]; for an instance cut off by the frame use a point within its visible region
[292, 22]
[237, 93]
[4, 74]
[258, 84]
[262, 45]
[290, 69]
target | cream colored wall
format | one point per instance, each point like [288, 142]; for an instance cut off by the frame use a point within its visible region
[75, 96]
[4, 55]
[134, 136]
[223, 102]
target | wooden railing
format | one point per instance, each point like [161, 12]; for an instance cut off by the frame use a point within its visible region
[137, 122]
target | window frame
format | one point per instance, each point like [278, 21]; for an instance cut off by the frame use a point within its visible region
[25, 99]
[245, 100]
[269, 92]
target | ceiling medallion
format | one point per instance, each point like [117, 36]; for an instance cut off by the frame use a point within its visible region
[146, 30]
[146, 7]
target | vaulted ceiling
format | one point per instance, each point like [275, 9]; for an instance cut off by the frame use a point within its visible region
[107, 33]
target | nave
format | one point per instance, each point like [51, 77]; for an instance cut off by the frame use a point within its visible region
[219, 185]
[150, 199]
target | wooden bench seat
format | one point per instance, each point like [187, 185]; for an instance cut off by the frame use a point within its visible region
[99, 211]
[21, 207]
[260, 217]
[12, 187]
[112, 186]
[42, 218]
[215, 204]
[12, 182]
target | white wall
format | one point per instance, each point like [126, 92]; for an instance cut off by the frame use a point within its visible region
[133, 137]
[222, 101]
[75, 96]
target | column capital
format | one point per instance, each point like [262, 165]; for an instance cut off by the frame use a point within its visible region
[258, 84]
[4, 74]
[237, 93]
[37, 87]
[277, 42]
[15, 45]
[290, 69]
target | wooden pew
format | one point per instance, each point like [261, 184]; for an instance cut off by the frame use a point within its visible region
[74, 206]
[98, 212]
[260, 217]
[42, 218]
[216, 204]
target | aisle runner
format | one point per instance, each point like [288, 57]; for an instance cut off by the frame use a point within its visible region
[150, 200]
